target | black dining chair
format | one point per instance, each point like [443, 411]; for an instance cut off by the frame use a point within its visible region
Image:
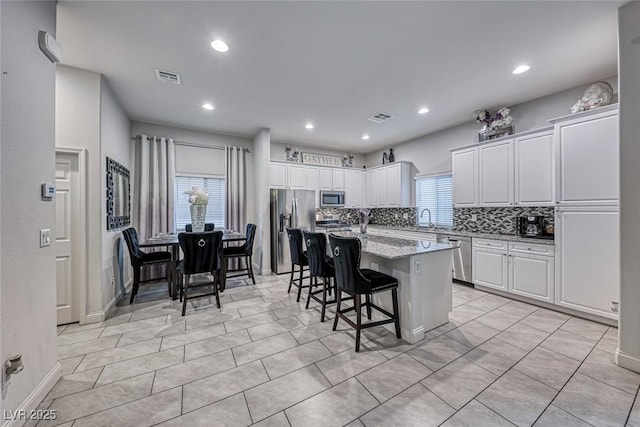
[320, 266]
[244, 251]
[208, 226]
[354, 281]
[298, 258]
[140, 259]
[202, 254]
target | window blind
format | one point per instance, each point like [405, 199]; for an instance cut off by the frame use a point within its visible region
[215, 187]
[436, 194]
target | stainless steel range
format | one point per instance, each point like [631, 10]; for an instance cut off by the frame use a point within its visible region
[328, 223]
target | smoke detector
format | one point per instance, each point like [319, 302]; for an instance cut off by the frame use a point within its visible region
[168, 77]
[380, 117]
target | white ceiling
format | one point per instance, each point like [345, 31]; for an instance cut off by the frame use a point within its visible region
[336, 63]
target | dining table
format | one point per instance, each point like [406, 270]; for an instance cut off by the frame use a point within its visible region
[170, 240]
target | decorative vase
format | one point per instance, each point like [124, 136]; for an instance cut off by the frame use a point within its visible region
[198, 216]
[363, 218]
[392, 158]
[385, 158]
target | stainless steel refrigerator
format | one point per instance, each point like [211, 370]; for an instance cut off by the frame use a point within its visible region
[294, 209]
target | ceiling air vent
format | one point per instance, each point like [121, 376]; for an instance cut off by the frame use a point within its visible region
[380, 117]
[168, 77]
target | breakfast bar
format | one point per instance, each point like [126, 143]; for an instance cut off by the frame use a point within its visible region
[424, 272]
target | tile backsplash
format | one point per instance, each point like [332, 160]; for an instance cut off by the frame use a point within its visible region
[496, 220]
[398, 217]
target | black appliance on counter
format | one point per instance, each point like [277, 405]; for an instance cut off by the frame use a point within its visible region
[533, 226]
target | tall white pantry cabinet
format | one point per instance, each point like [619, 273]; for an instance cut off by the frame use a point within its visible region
[587, 213]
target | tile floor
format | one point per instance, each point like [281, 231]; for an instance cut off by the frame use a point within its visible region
[265, 360]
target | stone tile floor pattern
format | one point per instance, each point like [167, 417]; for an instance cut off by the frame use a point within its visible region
[264, 360]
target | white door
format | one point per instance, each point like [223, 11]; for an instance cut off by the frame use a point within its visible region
[393, 184]
[534, 170]
[351, 188]
[588, 166]
[372, 195]
[490, 268]
[326, 179]
[313, 182]
[532, 276]
[278, 175]
[464, 167]
[496, 174]
[337, 179]
[588, 259]
[67, 206]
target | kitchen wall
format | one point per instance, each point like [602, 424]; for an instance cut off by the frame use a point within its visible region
[496, 220]
[430, 153]
[28, 272]
[278, 153]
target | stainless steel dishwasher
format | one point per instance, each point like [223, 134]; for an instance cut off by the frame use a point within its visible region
[461, 256]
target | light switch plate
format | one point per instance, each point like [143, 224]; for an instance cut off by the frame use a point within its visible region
[45, 237]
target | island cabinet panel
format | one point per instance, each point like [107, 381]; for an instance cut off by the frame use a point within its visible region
[496, 174]
[464, 166]
[534, 170]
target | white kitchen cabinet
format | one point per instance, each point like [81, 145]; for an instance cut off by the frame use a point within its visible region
[534, 170]
[313, 182]
[587, 148]
[531, 271]
[390, 185]
[490, 268]
[331, 179]
[464, 167]
[337, 180]
[287, 175]
[588, 259]
[354, 188]
[496, 173]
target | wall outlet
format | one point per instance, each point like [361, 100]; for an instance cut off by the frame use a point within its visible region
[45, 237]
[474, 217]
[113, 280]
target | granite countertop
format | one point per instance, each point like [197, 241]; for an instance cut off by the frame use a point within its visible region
[395, 248]
[476, 234]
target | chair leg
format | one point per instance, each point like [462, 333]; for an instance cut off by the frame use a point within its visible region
[216, 280]
[169, 278]
[186, 288]
[368, 303]
[324, 296]
[310, 290]
[358, 305]
[250, 268]
[396, 312]
[291, 278]
[136, 283]
[180, 285]
[300, 285]
[338, 301]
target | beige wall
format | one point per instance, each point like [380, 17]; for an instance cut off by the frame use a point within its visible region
[28, 284]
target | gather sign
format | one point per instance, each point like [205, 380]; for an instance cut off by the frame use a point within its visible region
[321, 159]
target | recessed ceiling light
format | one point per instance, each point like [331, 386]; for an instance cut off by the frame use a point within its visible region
[521, 69]
[219, 45]
[308, 126]
[423, 110]
[207, 106]
[365, 137]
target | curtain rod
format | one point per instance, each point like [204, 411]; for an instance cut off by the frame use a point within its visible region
[192, 144]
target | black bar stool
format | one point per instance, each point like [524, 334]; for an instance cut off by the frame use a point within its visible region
[298, 258]
[209, 226]
[356, 282]
[320, 265]
[245, 251]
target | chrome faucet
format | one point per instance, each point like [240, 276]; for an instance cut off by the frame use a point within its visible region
[429, 224]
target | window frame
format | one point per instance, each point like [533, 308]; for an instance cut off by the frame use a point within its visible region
[178, 194]
[436, 212]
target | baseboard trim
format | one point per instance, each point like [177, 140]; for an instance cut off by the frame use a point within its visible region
[37, 395]
[627, 361]
[102, 315]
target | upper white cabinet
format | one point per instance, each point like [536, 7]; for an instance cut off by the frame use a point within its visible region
[588, 259]
[464, 167]
[287, 175]
[389, 185]
[313, 181]
[534, 169]
[278, 175]
[587, 147]
[332, 179]
[297, 176]
[496, 173]
[354, 188]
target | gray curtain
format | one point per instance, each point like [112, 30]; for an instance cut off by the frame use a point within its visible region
[154, 190]
[236, 209]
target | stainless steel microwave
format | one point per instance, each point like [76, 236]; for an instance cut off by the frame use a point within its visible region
[332, 199]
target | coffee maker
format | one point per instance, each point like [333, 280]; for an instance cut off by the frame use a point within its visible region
[532, 226]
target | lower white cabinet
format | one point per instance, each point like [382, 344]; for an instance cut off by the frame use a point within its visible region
[517, 267]
[588, 262]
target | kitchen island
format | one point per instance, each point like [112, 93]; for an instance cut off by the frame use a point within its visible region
[424, 272]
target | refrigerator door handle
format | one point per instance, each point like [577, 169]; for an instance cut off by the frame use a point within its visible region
[294, 212]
